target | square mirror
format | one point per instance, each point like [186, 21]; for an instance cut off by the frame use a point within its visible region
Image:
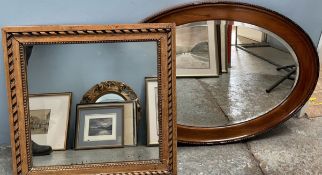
[78, 98]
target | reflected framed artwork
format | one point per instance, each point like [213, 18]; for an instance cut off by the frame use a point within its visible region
[152, 111]
[130, 120]
[198, 49]
[116, 92]
[49, 118]
[216, 109]
[99, 126]
[54, 47]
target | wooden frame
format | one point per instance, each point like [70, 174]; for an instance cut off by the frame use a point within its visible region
[69, 94]
[297, 39]
[15, 39]
[100, 106]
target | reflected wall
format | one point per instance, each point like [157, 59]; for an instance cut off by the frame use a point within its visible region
[53, 68]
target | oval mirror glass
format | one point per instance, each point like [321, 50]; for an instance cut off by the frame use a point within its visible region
[230, 72]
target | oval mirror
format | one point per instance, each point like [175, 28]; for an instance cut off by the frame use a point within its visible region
[252, 77]
[241, 70]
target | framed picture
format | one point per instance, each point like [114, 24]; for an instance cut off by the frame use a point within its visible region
[197, 53]
[49, 118]
[99, 126]
[118, 93]
[152, 111]
[130, 122]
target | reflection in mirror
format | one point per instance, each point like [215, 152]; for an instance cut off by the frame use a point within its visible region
[58, 76]
[192, 42]
[110, 97]
[249, 72]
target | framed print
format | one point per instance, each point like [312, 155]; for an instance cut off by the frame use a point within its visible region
[152, 111]
[118, 93]
[197, 49]
[99, 126]
[49, 118]
[130, 122]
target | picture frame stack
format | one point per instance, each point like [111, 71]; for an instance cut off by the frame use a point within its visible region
[111, 122]
[106, 125]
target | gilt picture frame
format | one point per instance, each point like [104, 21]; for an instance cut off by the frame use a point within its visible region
[15, 41]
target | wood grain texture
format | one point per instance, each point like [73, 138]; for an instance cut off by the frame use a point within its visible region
[14, 41]
[298, 40]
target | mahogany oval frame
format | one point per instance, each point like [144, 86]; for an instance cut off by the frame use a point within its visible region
[286, 29]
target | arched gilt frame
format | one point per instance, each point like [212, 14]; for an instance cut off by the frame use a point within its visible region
[286, 29]
[15, 41]
[115, 87]
[106, 87]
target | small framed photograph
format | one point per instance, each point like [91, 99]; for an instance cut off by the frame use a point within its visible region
[49, 118]
[99, 126]
[130, 120]
[152, 111]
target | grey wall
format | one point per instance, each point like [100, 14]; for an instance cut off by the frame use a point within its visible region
[307, 14]
[275, 43]
[77, 67]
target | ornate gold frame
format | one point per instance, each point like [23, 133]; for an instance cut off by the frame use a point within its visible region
[15, 39]
[105, 87]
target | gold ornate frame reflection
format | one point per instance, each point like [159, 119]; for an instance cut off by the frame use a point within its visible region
[114, 87]
[15, 41]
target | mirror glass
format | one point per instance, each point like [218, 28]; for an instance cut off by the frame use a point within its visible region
[249, 71]
[110, 97]
[65, 132]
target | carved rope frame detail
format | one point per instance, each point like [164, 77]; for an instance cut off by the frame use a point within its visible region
[14, 40]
